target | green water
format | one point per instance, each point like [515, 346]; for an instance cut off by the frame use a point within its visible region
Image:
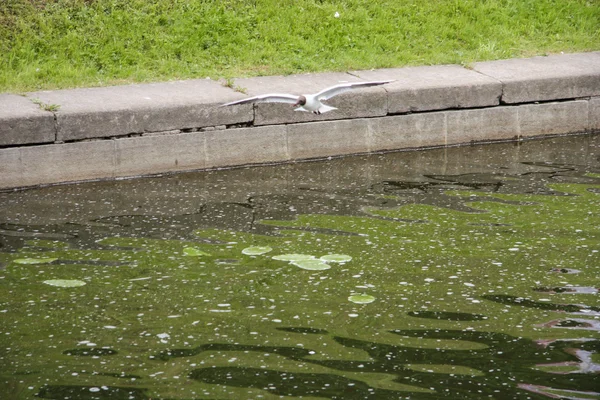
[473, 274]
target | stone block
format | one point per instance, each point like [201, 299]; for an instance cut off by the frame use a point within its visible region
[564, 76]
[328, 138]
[246, 146]
[23, 122]
[406, 131]
[438, 87]
[11, 173]
[553, 118]
[367, 102]
[122, 110]
[594, 114]
[147, 155]
[483, 124]
[54, 163]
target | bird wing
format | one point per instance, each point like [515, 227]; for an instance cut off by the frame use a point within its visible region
[267, 98]
[344, 87]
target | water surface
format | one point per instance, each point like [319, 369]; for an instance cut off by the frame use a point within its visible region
[466, 273]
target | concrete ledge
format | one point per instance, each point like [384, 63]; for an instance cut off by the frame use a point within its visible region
[137, 130]
[565, 76]
[122, 110]
[23, 122]
[438, 87]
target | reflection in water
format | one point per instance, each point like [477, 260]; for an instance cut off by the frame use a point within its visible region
[559, 393]
[505, 358]
[483, 263]
[522, 302]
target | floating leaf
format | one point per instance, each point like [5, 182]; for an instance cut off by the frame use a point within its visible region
[337, 258]
[313, 265]
[64, 282]
[256, 250]
[194, 252]
[45, 260]
[361, 298]
[293, 257]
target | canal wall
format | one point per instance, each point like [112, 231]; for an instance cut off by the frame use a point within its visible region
[75, 135]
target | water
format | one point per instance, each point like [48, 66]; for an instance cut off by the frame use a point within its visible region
[473, 273]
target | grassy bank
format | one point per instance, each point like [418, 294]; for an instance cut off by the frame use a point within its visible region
[66, 43]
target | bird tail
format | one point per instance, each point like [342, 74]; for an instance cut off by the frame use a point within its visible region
[324, 108]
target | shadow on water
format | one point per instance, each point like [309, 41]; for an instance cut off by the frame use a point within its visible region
[465, 273]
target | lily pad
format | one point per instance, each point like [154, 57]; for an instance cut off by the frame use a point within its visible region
[64, 282]
[194, 252]
[45, 260]
[361, 298]
[313, 265]
[293, 257]
[337, 258]
[256, 250]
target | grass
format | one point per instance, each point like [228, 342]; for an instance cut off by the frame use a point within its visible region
[48, 44]
[45, 106]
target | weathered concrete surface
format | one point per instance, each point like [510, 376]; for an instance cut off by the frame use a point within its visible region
[160, 153]
[594, 114]
[123, 110]
[35, 165]
[438, 87]
[246, 146]
[564, 76]
[328, 138]
[497, 123]
[553, 118]
[369, 102]
[23, 122]
[407, 131]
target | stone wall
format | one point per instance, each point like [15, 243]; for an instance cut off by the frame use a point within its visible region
[113, 132]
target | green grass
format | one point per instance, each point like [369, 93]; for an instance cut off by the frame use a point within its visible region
[47, 44]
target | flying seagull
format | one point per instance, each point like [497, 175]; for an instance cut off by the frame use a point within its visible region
[308, 102]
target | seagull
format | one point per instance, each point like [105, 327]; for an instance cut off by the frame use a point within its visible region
[308, 102]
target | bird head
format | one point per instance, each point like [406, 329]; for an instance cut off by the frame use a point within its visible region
[301, 101]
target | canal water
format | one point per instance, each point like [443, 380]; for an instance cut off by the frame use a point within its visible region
[459, 273]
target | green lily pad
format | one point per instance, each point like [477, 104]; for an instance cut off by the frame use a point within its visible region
[361, 298]
[313, 265]
[194, 252]
[293, 257]
[64, 282]
[338, 258]
[256, 250]
[45, 260]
